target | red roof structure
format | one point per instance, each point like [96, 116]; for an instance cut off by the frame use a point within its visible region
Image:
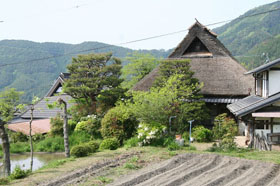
[41, 126]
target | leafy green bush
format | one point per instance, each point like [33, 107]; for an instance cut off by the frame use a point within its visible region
[132, 142]
[19, 173]
[19, 147]
[80, 150]
[56, 126]
[110, 143]
[119, 123]
[50, 144]
[94, 146]
[38, 137]
[202, 134]
[72, 125]
[224, 127]
[77, 138]
[168, 141]
[225, 130]
[18, 137]
[173, 146]
[90, 124]
[150, 133]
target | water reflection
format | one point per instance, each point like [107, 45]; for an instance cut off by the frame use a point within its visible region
[39, 160]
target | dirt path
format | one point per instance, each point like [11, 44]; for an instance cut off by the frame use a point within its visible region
[205, 169]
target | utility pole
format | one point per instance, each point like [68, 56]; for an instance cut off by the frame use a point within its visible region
[30, 137]
[191, 130]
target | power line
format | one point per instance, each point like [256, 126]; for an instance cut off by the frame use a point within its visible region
[134, 41]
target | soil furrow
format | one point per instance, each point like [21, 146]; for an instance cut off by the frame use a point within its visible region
[158, 169]
[94, 169]
[206, 177]
[267, 178]
[186, 177]
[231, 176]
[193, 164]
[243, 180]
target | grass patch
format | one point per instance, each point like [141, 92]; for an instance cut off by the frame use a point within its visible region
[57, 163]
[104, 179]
[266, 156]
[130, 166]
[4, 181]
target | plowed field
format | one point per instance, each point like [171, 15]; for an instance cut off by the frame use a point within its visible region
[205, 169]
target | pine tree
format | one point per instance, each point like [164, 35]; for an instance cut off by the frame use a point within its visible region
[95, 81]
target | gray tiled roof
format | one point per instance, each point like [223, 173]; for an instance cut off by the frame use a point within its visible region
[264, 67]
[251, 104]
[41, 109]
[221, 100]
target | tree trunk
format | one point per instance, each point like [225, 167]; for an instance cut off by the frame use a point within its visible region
[30, 138]
[65, 128]
[6, 149]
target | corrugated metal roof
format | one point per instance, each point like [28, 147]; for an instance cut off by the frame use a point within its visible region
[264, 67]
[41, 126]
[251, 104]
[221, 100]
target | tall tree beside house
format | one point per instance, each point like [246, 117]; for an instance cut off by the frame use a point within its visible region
[95, 81]
[175, 94]
[170, 67]
[138, 67]
[9, 103]
[188, 99]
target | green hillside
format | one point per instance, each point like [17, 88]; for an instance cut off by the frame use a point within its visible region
[35, 78]
[249, 38]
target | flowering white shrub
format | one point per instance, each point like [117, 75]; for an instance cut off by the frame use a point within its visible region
[148, 132]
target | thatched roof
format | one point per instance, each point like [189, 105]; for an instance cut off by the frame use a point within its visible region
[57, 84]
[211, 62]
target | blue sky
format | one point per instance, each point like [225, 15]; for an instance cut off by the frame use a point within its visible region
[113, 21]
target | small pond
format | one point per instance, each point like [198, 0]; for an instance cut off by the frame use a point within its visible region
[39, 160]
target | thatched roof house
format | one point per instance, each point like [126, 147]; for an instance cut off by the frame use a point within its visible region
[223, 77]
[212, 64]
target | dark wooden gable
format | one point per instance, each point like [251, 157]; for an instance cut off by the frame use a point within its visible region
[200, 42]
[195, 48]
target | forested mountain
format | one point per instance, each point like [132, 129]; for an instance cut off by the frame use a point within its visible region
[35, 78]
[249, 38]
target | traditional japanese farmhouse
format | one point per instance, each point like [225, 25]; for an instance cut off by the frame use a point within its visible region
[260, 113]
[223, 77]
[41, 113]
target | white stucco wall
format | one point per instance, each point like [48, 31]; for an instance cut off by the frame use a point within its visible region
[274, 82]
[276, 128]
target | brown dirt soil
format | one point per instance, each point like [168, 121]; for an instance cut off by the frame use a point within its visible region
[156, 166]
[204, 169]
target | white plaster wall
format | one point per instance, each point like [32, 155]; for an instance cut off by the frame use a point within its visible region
[276, 128]
[274, 82]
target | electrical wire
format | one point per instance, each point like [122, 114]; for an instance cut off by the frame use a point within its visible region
[134, 41]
